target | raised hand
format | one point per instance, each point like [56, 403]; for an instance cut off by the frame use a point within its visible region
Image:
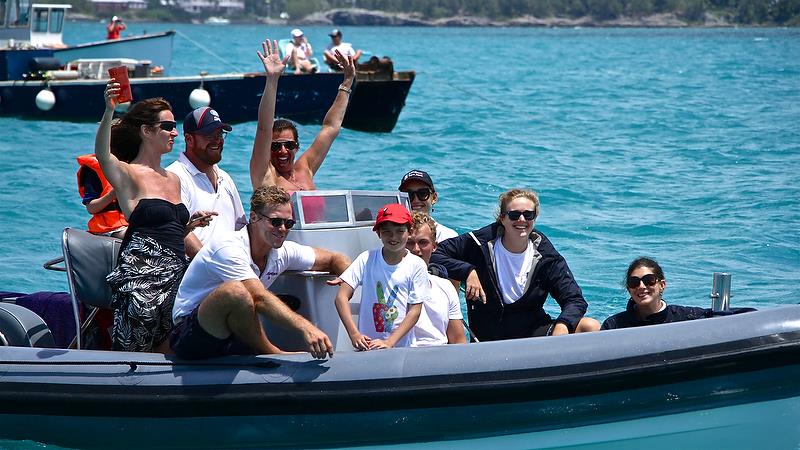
[271, 58]
[347, 65]
[111, 93]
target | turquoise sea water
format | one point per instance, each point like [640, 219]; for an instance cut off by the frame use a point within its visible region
[679, 144]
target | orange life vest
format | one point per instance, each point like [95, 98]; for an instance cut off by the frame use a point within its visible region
[104, 221]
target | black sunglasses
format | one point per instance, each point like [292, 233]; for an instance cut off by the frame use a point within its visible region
[290, 145]
[649, 280]
[422, 194]
[514, 215]
[166, 125]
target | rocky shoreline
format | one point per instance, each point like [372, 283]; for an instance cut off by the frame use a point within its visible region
[364, 17]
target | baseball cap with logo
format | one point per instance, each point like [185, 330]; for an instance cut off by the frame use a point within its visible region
[393, 212]
[416, 175]
[204, 120]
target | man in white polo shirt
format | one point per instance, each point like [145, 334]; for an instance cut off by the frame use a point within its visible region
[205, 187]
[225, 286]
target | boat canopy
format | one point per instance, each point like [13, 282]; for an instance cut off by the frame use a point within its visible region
[39, 25]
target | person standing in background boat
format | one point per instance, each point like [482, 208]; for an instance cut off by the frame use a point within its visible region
[422, 195]
[300, 52]
[276, 143]
[205, 187]
[510, 269]
[151, 261]
[646, 284]
[342, 47]
[99, 199]
[440, 320]
[394, 286]
[224, 291]
[114, 28]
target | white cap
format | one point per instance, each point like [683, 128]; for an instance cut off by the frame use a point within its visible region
[297, 32]
[114, 19]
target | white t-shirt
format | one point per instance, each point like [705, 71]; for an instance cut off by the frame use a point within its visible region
[386, 292]
[198, 194]
[302, 50]
[443, 232]
[346, 49]
[227, 258]
[290, 256]
[512, 270]
[431, 329]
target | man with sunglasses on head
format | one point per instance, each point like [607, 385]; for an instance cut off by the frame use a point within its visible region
[510, 269]
[422, 195]
[276, 143]
[206, 189]
[227, 282]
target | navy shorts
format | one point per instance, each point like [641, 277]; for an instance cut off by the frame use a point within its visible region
[190, 341]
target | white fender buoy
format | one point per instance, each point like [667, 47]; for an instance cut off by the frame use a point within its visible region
[199, 98]
[45, 100]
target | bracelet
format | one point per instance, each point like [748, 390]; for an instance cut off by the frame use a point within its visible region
[344, 88]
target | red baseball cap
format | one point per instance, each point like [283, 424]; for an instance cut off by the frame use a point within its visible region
[393, 212]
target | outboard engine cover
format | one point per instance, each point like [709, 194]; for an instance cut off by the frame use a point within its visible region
[21, 327]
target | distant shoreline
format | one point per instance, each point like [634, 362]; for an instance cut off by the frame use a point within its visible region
[363, 17]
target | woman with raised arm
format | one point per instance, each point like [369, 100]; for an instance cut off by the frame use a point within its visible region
[152, 260]
[276, 144]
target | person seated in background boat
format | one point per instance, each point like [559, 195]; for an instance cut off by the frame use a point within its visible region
[224, 290]
[151, 260]
[205, 188]
[440, 321]
[115, 27]
[272, 162]
[99, 199]
[646, 284]
[510, 269]
[342, 47]
[300, 52]
[394, 284]
[422, 195]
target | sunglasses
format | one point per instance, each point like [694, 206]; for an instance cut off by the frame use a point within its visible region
[290, 145]
[649, 280]
[514, 215]
[166, 125]
[422, 194]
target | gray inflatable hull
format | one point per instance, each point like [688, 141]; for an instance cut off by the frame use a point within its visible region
[720, 376]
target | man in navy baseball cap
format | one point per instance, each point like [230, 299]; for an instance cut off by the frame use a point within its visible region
[205, 187]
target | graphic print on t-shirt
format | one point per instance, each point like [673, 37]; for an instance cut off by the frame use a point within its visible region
[384, 312]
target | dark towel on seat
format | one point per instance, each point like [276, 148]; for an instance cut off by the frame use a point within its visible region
[55, 308]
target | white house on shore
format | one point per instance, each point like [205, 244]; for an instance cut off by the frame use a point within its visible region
[210, 6]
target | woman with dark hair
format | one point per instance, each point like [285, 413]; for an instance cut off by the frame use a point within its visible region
[646, 284]
[152, 260]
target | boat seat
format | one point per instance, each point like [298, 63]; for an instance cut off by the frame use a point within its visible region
[21, 327]
[88, 258]
[282, 48]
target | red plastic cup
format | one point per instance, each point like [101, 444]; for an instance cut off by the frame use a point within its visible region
[120, 75]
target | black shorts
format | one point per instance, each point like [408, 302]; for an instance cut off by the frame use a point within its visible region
[190, 341]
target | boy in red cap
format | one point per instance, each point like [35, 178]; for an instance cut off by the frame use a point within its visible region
[394, 286]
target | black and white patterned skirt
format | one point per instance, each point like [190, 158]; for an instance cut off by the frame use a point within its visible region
[143, 289]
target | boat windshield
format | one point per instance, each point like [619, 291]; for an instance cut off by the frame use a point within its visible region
[340, 209]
